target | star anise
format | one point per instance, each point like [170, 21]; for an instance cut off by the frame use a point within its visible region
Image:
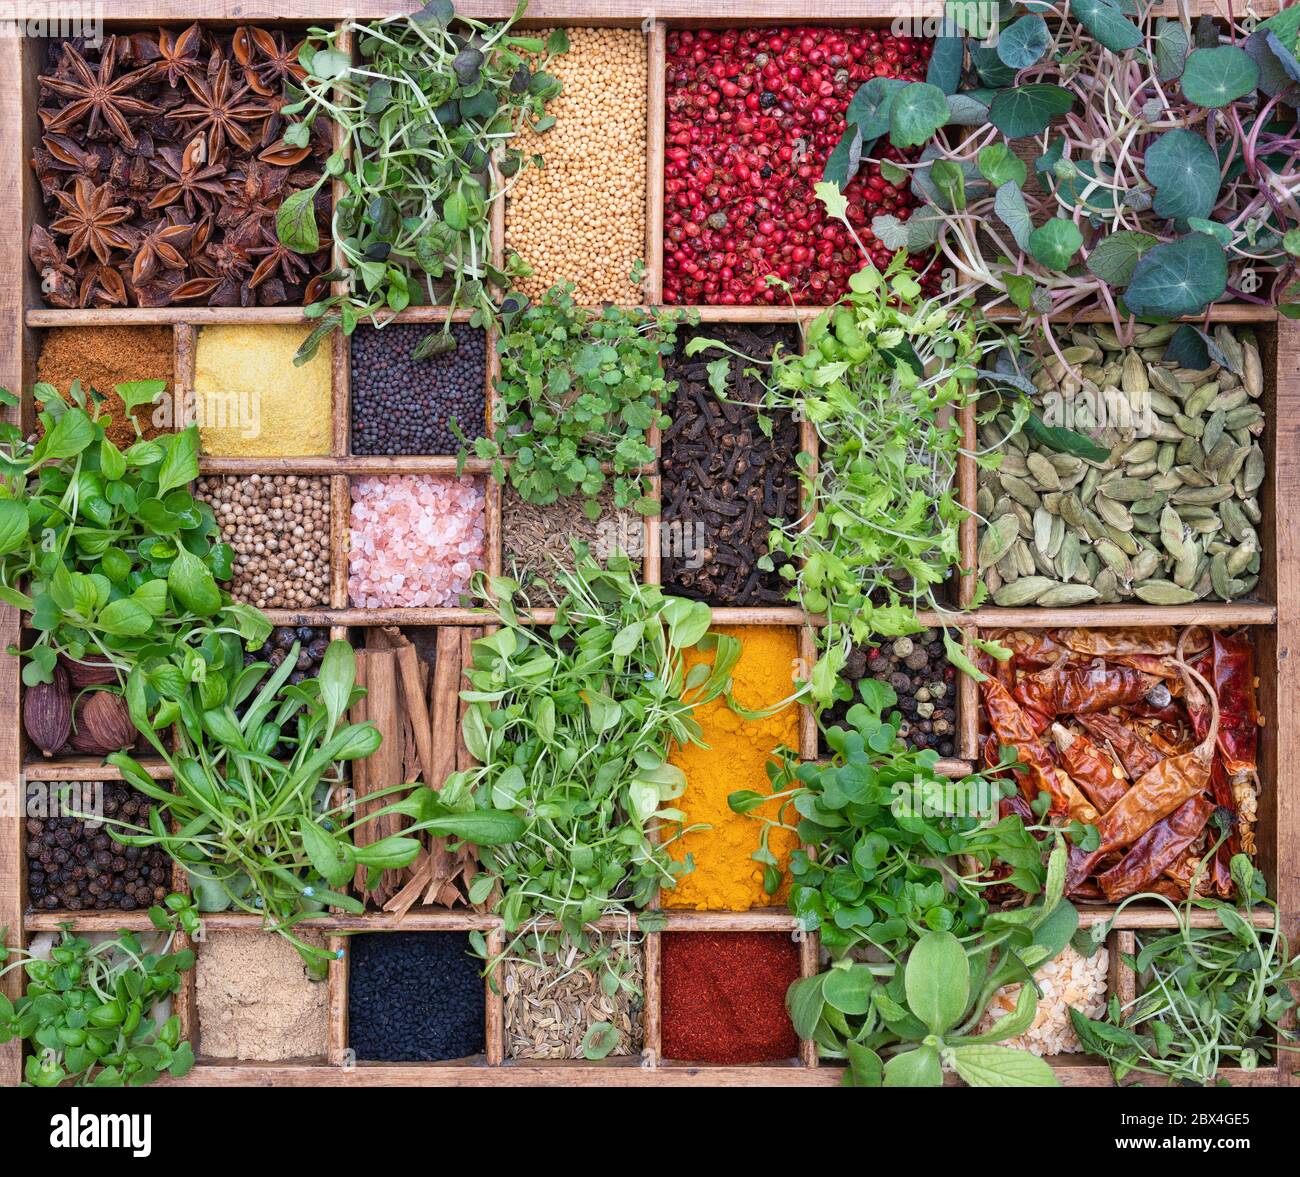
[91, 220]
[67, 155]
[102, 285]
[219, 108]
[178, 55]
[159, 246]
[292, 266]
[94, 97]
[186, 179]
[268, 61]
[252, 198]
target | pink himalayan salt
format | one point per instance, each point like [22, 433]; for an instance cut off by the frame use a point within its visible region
[416, 539]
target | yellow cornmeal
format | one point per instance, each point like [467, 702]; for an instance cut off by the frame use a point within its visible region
[252, 401]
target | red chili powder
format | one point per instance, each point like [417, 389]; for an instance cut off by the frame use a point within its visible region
[723, 996]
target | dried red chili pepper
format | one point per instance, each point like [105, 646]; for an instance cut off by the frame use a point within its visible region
[1135, 754]
[1159, 791]
[1078, 692]
[1160, 847]
[1012, 726]
[1090, 768]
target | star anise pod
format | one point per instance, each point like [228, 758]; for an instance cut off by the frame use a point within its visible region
[159, 246]
[187, 180]
[219, 109]
[101, 285]
[268, 61]
[91, 219]
[94, 97]
[178, 56]
[67, 155]
[274, 256]
[253, 197]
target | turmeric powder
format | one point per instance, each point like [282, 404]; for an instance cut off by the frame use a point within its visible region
[725, 877]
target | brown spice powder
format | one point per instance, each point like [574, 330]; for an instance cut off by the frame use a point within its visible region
[255, 1000]
[102, 357]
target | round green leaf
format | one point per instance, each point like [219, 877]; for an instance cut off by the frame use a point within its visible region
[1113, 258]
[1107, 23]
[1171, 43]
[1024, 41]
[1177, 278]
[1218, 76]
[849, 989]
[1055, 243]
[918, 111]
[937, 981]
[1027, 110]
[1000, 165]
[914, 1068]
[1185, 172]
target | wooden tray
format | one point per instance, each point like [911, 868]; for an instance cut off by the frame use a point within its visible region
[1275, 615]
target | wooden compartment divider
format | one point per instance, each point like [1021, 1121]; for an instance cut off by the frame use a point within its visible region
[23, 317]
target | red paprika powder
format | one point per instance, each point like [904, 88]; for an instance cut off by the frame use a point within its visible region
[723, 996]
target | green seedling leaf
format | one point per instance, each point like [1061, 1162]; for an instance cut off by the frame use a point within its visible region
[918, 111]
[1114, 258]
[1028, 110]
[1216, 77]
[1055, 243]
[1178, 278]
[1106, 21]
[1024, 41]
[1184, 170]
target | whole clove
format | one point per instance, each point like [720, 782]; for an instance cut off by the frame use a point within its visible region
[724, 479]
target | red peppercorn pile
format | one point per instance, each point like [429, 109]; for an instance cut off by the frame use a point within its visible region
[753, 115]
[723, 996]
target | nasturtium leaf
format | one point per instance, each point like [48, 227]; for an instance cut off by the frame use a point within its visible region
[1106, 21]
[967, 110]
[1009, 204]
[842, 163]
[1000, 165]
[1171, 44]
[919, 109]
[870, 107]
[989, 66]
[1178, 278]
[1024, 41]
[1113, 258]
[1054, 243]
[1216, 229]
[1028, 110]
[944, 69]
[949, 180]
[1278, 67]
[1215, 77]
[1185, 172]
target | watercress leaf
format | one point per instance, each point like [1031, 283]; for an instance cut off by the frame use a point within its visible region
[937, 980]
[71, 434]
[865, 1067]
[1114, 258]
[137, 393]
[918, 111]
[1216, 77]
[804, 1001]
[1106, 21]
[1024, 41]
[192, 584]
[180, 463]
[1009, 204]
[338, 675]
[483, 827]
[1185, 172]
[1000, 165]
[1029, 109]
[1178, 278]
[1002, 1066]
[13, 525]
[126, 617]
[295, 222]
[599, 1040]
[849, 989]
[914, 1068]
[1055, 242]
